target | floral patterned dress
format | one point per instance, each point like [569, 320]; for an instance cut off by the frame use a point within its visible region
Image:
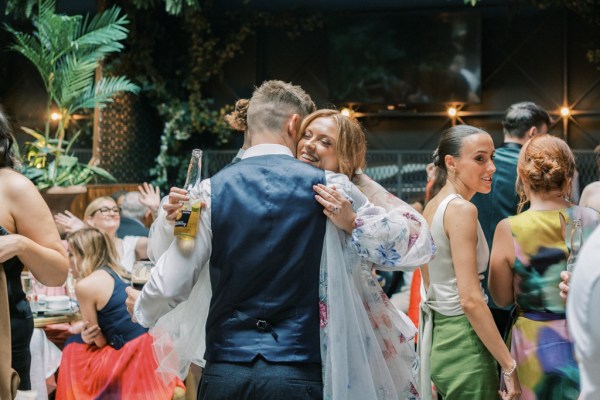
[367, 345]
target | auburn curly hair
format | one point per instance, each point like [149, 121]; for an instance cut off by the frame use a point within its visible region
[546, 165]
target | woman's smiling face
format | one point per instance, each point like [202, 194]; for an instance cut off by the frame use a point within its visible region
[107, 221]
[318, 144]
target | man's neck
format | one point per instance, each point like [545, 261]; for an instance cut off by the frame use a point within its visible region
[512, 139]
[268, 138]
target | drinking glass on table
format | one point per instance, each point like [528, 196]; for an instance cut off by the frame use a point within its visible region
[28, 287]
[140, 273]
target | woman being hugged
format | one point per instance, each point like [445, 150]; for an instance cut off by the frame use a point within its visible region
[459, 341]
[529, 253]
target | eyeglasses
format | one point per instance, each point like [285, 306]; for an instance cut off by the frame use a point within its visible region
[106, 211]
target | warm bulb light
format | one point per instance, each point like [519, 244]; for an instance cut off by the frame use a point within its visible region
[452, 111]
[346, 112]
[565, 112]
[55, 116]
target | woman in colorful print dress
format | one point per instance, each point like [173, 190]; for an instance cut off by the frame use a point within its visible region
[528, 254]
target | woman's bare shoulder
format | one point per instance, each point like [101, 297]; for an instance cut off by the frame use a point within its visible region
[14, 183]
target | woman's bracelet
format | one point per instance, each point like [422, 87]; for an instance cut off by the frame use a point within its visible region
[507, 374]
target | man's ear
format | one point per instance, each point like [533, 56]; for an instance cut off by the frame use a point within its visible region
[293, 127]
[531, 132]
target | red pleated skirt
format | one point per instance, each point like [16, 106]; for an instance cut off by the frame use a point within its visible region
[88, 372]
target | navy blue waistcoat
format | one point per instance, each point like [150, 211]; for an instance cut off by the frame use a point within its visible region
[264, 268]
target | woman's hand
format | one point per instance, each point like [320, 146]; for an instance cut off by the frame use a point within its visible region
[336, 207]
[150, 197]
[512, 387]
[69, 222]
[132, 295]
[564, 285]
[89, 334]
[177, 197]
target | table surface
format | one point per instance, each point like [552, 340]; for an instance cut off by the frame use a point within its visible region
[40, 322]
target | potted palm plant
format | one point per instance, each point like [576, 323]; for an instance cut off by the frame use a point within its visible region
[67, 51]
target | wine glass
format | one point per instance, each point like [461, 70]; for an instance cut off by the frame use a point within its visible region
[140, 273]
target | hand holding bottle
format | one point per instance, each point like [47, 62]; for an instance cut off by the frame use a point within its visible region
[177, 197]
[188, 216]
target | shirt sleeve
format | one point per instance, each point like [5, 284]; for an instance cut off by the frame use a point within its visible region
[161, 234]
[388, 232]
[177, 269]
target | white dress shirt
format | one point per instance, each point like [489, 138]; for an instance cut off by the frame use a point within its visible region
[583, 316]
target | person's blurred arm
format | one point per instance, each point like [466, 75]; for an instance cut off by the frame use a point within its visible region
[591, 196]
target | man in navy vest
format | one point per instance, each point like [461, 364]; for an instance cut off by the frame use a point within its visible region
[521, 122]
[262, 231]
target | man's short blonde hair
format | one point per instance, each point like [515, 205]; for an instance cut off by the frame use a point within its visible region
[274, 102]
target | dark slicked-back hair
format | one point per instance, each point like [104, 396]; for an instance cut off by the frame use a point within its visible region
[521, 117]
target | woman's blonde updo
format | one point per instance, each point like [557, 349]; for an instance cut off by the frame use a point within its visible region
[546, 165]
[237, 119]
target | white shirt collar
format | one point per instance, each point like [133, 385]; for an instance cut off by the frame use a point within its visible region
[267, 149]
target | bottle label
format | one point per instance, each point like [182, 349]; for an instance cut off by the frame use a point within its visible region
[183, 218]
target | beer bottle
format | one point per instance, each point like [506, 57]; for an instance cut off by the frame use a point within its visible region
[187, 220]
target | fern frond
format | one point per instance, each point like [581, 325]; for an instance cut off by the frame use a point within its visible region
[102, 34]
[103, 91]
[73, 78]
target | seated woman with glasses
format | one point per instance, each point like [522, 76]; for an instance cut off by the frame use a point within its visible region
[103, 213]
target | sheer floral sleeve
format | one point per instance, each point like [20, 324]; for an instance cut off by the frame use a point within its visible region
[389, 232]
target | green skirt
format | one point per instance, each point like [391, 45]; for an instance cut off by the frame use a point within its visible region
[461, 366]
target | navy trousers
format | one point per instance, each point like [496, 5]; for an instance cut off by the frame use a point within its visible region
[261, 380]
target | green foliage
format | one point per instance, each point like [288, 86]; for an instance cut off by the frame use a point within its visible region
[178, 59]
[66, 51]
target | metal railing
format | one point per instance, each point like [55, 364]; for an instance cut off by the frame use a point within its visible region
[402, 172]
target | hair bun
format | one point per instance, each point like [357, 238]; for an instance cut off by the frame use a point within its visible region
[436, 158]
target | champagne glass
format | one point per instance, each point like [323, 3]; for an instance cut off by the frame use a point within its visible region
[140, 273]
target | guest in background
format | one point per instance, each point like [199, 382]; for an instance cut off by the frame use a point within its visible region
[528, 255]
[521, 122]
[459, 343]
[112, 357]
[103, 213]
[28, 236]
[136, 209]
[133, 215]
